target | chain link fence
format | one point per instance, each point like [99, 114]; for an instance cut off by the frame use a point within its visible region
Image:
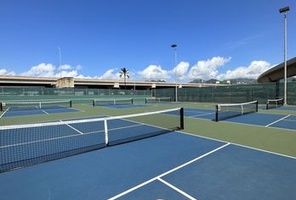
[35, 93]
[232, 93]
[215, 94]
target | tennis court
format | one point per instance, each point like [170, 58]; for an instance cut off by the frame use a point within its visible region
[170, 165]
[21, 108]
[259, 119]
[44, 111]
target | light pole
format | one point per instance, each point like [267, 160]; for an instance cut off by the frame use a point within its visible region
[174, 46]
[285, 10]
[60, 59]
[60, 56]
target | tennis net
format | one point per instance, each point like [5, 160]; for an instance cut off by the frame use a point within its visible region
[103, 102]
[226, 111]
[274, 103]
[30, 144]
[31, 105]
[157, 99]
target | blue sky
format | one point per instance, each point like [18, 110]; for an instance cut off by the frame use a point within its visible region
[96, 38]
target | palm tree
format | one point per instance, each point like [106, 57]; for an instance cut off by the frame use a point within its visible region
[125, 73]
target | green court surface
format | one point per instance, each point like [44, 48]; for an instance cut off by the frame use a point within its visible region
[111, 154]
[278, 140]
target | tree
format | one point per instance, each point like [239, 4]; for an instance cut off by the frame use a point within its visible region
[125, 73]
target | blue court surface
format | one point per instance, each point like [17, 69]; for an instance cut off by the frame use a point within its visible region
[175, 165]
[259, 119]
[43, 111]
[169, 166]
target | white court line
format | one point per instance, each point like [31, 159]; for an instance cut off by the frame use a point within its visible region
[111, 129]
[78, 131]
[177, 189]
[37, 141]
[168, 172]
[200, 115]
[4, 113]
[277, 121]
[45, 112]
[241, 145]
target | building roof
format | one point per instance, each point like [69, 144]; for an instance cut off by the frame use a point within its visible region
[278, 72]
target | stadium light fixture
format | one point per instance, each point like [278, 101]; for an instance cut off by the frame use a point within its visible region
[174, 46]
[284, 10]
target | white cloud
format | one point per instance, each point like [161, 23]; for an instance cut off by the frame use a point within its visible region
[255, 69]
[114, 74]
[110, 74]
[68, 71]
[4, 72]
[72, 73]
[69, 67]
[154, 72]
[65, 67]
[85, 77]
[180, 71]
[207, 69]
[49, 70]
[41, 70]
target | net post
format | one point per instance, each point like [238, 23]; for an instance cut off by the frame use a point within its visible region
[182, 118]
[216, 114]
[94, 102]
[132, 100]
[242, 109]
[106, 132]
[1, 106]
[257, 106]
[71, 103]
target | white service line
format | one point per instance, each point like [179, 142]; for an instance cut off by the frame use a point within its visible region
[45, 112]
[200, 115]
[277, 121]
[168, 172]
[4, 113]
[177, 189]
[72, 127]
